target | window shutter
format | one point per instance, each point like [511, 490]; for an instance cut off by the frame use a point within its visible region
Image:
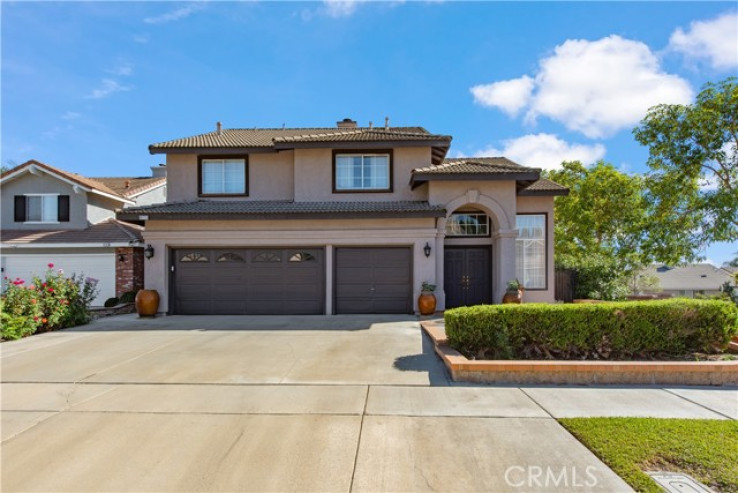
[20, 208]
[63, 209]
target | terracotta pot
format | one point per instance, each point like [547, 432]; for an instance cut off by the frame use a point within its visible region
[513, 297]
[147, 302]
[427, 303]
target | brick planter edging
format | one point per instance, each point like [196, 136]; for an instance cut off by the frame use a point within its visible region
[579, 372]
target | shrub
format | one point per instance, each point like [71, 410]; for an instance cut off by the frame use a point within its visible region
[618, 330]
[111, 302]
[598, 277]
[128, 297]
[49, 303]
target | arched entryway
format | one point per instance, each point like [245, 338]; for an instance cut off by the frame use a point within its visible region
[467, 262]
[481, 253]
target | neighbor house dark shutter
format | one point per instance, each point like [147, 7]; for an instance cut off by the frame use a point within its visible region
[63, 208]
[20, 208]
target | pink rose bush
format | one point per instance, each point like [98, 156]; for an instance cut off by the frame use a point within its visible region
[50, 302]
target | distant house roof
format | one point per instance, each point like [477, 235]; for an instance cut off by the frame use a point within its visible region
[274, 209]
[691, 277]
[245, 139]
[131, 187]
[110, 231]
[86, 184]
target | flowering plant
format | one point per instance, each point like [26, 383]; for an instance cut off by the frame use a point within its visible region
[48, 303]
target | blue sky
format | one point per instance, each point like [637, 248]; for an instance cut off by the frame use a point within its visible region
[87, 86]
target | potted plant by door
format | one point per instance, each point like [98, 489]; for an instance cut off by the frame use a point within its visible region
[147, 302]
[514, 292]
[427, 300]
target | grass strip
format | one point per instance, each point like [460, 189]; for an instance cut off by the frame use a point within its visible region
[705, 449]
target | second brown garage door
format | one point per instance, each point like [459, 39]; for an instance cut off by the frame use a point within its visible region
[373, 280]
[248, 281]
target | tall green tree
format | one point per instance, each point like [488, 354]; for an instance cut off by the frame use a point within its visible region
[693, 161]
[605, 228]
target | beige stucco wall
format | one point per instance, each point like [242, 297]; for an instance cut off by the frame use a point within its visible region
[314, 176]
[326, 233]
[270, 177]
[542, 205]
[29, 184]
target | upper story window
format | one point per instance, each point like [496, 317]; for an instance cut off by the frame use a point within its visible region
[41, 208]
[530, 250]
[467, 224]
[223, 176]
[362, 171]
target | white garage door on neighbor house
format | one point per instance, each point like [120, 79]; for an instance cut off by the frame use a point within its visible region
[100, 266]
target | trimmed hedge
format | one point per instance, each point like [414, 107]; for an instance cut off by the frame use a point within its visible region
[617, 330]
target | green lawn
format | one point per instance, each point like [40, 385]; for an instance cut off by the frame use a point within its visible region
[707, 450]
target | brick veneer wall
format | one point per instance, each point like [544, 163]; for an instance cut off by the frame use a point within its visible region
[129, 274]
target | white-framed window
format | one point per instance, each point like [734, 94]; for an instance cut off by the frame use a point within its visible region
[467, 224]
[223, 176]
[530, 250]
[42, 208]
[362, 172]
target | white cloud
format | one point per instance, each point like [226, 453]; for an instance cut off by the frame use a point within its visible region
[715, 40]
[509, 95]
[141, 38]
[176, 14]
[545, 151]
[122, 69]
[600, 87]
[107, 87]
[340, 8]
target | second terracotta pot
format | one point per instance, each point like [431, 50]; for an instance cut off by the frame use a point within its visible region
[427, 303]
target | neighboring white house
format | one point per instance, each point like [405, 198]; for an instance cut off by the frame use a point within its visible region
[691, 279]
[51, 216]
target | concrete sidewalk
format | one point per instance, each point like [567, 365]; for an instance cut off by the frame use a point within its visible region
[277, 404]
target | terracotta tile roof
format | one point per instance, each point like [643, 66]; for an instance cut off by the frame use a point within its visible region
[544, 187]
[73, 177]
[135, 186]
[475, 165]
[366, 135]
[474, 168]
[243, 209]
[109, 231]
[269, 137]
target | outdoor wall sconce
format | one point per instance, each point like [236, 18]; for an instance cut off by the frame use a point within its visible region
[149, 251]
[427, 249]
[121, 257]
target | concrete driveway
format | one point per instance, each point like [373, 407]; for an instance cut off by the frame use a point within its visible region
[277, 404]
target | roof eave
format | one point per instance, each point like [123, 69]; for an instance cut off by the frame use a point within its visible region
[124, 216]
[215, 151]
[354, 144]
[418, 179]
[543, 193]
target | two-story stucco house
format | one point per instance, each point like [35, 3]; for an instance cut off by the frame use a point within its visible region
[51, 216]
[342, 220]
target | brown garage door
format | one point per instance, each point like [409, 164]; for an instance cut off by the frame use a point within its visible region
[373, 280]
[249, 281]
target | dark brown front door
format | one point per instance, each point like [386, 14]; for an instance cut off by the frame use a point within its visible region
[467, 276]
[373, 280]
[248, 281]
